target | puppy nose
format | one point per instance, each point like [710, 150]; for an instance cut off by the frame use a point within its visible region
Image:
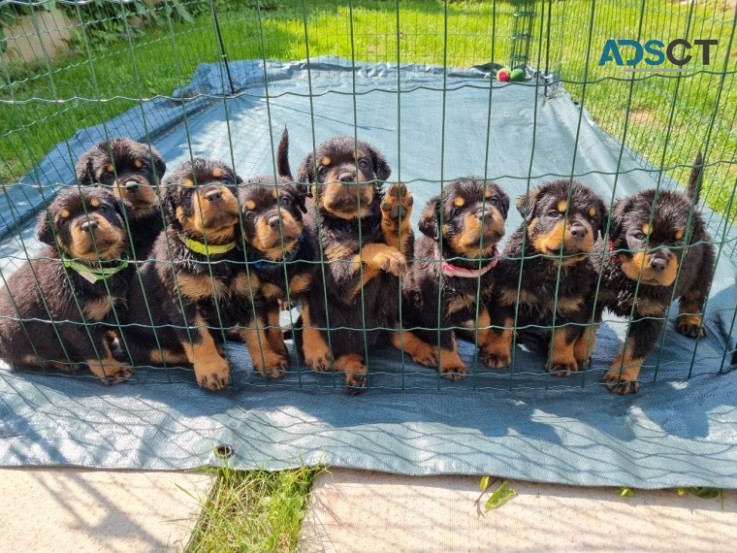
[347, 177]
[89, 225]
[131, 186]
[213, 195]
[578, 231]
[484, 216]
[658, 263]
[274, 222]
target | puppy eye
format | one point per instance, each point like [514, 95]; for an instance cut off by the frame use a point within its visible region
[638, 235]
[321, 170]
[363, 163]
[286, 201]
[554, 213]
[494, 200]
[250, 215]
[226, 179]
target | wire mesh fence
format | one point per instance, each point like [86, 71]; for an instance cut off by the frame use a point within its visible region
[164, 252]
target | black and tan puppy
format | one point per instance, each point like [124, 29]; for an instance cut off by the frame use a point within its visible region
[453, 267]
[60, 311]
[659, 249]
[365, 238]
[195, 287]
[546, 275]
[278, 247]
[133, 171]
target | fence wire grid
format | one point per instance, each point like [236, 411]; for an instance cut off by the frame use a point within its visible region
[71, 68]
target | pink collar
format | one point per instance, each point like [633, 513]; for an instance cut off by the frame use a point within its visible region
[453, 271]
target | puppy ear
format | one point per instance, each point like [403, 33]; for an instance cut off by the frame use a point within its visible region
[158, 163]
[43, 228]
[429, 219]
[306, 175]
[621, 208]
[124, 208]
[526, 204]
[83, 169]
[604, 212]
[503, 202]
[171, 199]
[381, 166]
[300, 198]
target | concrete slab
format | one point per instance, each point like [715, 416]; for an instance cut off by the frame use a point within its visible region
[352, 511]
[91, 511]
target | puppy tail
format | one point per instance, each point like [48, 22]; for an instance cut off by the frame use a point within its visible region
[282, 156]
[694, 180]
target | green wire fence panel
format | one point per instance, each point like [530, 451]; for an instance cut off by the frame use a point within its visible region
[521, 195]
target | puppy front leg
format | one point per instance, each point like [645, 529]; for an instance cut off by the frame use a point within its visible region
[496, 351]
[267, 361]
[274, 333]
[690, 322]
[396, 210]
[377, 258]
[211, 368]
[562, 359]
[315, 349]
[642, 336]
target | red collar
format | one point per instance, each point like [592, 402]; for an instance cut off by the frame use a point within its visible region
[453, 271]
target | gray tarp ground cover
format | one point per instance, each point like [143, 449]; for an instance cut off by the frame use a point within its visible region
[680, 430]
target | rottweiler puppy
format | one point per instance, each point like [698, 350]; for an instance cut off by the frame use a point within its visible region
[659, 249]
[547, 259]
[196, 287]
[452, 268]
[364, 237]
[278, 247]
[133, 171]
[60, 311]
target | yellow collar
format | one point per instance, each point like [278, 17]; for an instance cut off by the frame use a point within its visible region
[206, 249]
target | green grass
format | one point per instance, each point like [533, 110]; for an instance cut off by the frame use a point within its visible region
[95, 85]
[254, 511]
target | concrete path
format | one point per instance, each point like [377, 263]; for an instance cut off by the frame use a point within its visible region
[59, 510]
[76, 510]
[356, 512]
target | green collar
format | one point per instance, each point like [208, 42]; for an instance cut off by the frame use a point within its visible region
[206, 249]
[93, 275]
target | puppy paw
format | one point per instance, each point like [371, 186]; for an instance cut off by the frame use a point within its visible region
[454, 372]
[355, 383]
[691, 327]
[109, 370]
[392, 261]
[119, 377]
[271, 365]
[213, 375]
[618, 383]
[495, 358]
[397, 204]
[562, 368]
[355, 372]
[318, 359]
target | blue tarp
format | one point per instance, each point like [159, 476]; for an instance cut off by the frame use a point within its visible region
[679, 430]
